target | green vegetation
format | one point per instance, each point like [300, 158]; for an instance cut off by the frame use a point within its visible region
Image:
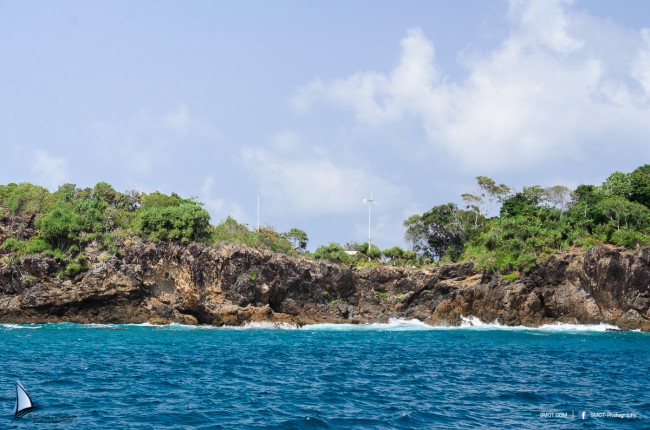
[64, 223]
[534, 223]
[359, 254]
[381, 294]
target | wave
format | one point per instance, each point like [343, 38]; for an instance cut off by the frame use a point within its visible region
[393, 324]
[20, 326]
[476, 323]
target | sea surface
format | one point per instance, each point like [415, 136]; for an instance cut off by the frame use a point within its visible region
[401, 375]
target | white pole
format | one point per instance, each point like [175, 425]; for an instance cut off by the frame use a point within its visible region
[369, 204]
[258, 208]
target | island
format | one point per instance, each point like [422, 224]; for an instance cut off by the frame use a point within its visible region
[99, 256]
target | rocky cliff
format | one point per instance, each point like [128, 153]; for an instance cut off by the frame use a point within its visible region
[232, 284]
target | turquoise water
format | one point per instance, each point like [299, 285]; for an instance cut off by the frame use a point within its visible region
[365, 377]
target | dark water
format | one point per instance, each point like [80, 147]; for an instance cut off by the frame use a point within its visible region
[379, 377]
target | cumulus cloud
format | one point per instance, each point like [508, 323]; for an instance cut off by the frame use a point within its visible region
[310, 185]
[641, 65]
[375, 97]
[547, 91]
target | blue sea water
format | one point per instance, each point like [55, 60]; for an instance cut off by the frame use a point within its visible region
[393, 376]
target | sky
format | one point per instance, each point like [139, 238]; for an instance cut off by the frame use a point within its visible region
[320, 104]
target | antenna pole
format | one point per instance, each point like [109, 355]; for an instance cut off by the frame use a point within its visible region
[369, 202]
[258, 208]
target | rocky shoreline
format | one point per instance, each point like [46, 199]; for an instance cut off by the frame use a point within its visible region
[234, 284]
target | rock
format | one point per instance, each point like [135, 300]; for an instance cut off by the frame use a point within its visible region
[234, 284]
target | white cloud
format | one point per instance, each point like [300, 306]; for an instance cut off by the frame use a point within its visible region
[149, 140]
[544, 23]
[285, 140]
[547, 92]
[44, 168]
[220, 208]
[375, 97]
[49, 170]
[311, 185]
[641, 65]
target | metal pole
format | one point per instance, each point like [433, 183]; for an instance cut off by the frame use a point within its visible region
[258, 208]
[369, 204]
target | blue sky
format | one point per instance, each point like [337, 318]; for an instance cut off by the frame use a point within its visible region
[319, 103]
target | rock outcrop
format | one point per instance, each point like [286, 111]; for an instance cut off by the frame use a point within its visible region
[233, 284]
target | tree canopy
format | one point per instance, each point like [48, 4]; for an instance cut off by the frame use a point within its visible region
[535, 222]
[71, 218]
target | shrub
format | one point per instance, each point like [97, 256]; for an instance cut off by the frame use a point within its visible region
[332, 252]
[13, 245]
[184, 223]
[37, 245]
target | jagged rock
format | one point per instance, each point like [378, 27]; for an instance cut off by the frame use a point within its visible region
[234, 284]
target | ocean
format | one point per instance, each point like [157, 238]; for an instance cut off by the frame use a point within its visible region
[401, 375]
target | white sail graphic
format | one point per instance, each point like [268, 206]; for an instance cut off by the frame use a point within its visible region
[23, 402]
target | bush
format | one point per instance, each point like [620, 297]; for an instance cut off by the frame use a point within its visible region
[37, 245]
[61, 227]
[630, 238]
[13, 245]
[184, 223]
[75, 267]
[332, 252]
[26, 197]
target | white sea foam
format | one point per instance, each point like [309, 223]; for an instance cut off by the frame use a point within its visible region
[579, 327]
[267, 326]
[476, 323]
[20, 326]
[393, 324]
[467, 323]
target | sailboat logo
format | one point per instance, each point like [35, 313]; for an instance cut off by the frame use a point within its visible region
[24, 404]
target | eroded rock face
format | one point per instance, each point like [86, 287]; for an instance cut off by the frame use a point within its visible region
[233, 284]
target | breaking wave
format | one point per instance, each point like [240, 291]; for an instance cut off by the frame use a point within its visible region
[394, 324]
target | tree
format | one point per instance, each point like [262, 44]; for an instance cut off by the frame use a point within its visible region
[640, 185]
[473, 203]
[298, 239]
[415, 234]
[439, 232]
[398, 256]
[26, 197]
[618, 184]
[186, 222]
[558, 196]
[524, 202]
[332, 252]
[61, 227]
[106, 193]
[491, 192]
[372, 251]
